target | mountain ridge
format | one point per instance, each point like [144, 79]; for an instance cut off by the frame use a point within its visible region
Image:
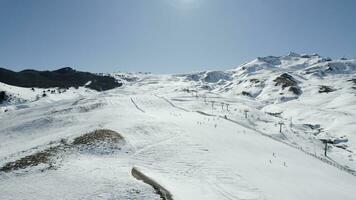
[61, 78]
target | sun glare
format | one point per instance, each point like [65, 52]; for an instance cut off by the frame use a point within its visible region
[184, 4]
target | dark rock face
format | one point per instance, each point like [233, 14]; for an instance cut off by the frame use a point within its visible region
[353, 80]
[285, 80]
[295, 90]
[2, 96]
[246, 93]
[62, 78]
[254, 80]
[326, 89]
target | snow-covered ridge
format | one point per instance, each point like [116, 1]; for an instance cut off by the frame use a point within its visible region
[262, 77]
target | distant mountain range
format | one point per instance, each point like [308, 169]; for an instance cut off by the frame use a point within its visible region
[62, 78]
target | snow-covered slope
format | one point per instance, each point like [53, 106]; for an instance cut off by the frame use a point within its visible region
[301, 89]
[19, 97]
[205, 135]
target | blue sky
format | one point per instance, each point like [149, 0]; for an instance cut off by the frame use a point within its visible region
[169, 36]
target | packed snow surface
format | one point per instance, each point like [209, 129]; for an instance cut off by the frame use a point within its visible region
[204, 135]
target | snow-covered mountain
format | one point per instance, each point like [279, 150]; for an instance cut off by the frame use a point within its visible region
[304, 88]
[253, 132]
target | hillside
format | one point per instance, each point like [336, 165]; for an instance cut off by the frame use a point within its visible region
[309, 91]
[61, 78]
[252, 132]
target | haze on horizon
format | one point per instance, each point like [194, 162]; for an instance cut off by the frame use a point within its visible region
[169, 36]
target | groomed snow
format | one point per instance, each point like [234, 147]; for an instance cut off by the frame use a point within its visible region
[178, 139]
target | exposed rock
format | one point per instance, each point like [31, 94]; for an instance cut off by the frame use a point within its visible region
[3, 96]
[305, 56]
[312, 126]
[353, 80]
[215, 76]
[254, 80]
[98, 136]
[42, 157]
[246, 93]
[99, 141]
[278, 114]
[206, 87]
[285, 80]
[326, 89]
[296, 90]
[193, 77]
[273, 60]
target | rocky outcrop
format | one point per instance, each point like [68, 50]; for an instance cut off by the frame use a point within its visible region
[285, 80]
[3, 96]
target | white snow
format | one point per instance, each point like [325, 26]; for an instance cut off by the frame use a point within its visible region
[193, 149]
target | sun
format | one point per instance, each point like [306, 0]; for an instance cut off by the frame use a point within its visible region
[184, 4]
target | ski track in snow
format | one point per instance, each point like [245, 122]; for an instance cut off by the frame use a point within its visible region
[323, 159]
[187, 146]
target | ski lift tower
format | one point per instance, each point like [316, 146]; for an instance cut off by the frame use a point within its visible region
[326, 141]
[281, 123]
[245, 111]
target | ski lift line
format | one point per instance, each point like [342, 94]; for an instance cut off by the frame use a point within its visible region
[323, 159]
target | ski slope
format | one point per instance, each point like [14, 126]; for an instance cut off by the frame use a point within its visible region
[194, 149]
